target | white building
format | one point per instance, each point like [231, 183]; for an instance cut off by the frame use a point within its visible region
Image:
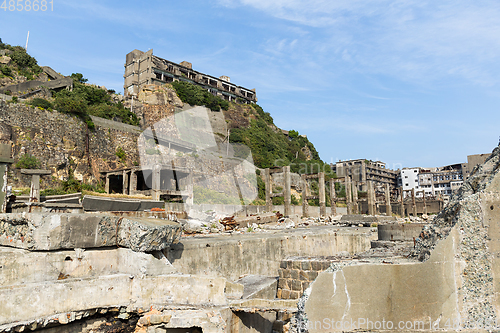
[409, 179]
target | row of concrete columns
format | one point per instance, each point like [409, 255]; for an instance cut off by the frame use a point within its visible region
[352, 201]
[287, 190]
[306, 195]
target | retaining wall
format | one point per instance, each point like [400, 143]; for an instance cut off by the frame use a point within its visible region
[261, 253]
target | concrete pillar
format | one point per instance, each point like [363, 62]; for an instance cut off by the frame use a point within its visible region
[322, 196]
[363, 176]
[287, 191]
[35, 182]
[106, 188]
[371, 199]
[125, 182]
[35, 188]
[155, 180]
[269, 190]
[333, 198]
[413, 203]
[388, 207]
[355, 206]
[425, 203]
[401, 202]
[133, 182]
[348, 197]
[305, 192]
[190, 188]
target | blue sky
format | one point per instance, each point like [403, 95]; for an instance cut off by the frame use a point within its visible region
[410, 83]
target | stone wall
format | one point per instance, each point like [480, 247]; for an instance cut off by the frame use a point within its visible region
[297, 273]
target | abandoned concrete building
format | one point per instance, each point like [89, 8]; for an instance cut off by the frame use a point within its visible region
[142, 68]
[361, 171]
[440, 181]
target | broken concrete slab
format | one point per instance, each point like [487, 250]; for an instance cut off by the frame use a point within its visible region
[146, 235]
[258, 286]
[234, 290]
[245, 221]
[45, 231]
[289, 305]
[233, 256]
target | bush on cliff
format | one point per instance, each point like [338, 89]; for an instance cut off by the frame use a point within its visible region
[27, 66]
[85, 100]
[41, 103]
[28, 161]
[196, 95]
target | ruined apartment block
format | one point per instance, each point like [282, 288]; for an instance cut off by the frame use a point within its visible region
[142, 68]
[361, 171]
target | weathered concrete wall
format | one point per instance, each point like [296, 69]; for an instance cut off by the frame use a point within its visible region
[399, 232]
[24, 87]
[412, 292]
[261, 254]
[37, 267]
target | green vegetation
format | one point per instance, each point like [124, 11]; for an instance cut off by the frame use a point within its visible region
[83, 101]
[120, 153]
[42, 103]
[270, 147]
[86, 100]
[72, 185]
[27, 66]
[28, 161]
[196, 95]
[7, 71]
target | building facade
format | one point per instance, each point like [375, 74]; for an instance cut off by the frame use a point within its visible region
[361, 171]
[442, 181]
[408, 179]
[142, 68]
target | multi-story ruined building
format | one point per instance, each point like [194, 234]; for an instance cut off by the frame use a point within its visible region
[143, 68]
[361, 171]
[441, 181]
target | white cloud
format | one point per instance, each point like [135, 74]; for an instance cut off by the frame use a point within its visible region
[411, 40]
